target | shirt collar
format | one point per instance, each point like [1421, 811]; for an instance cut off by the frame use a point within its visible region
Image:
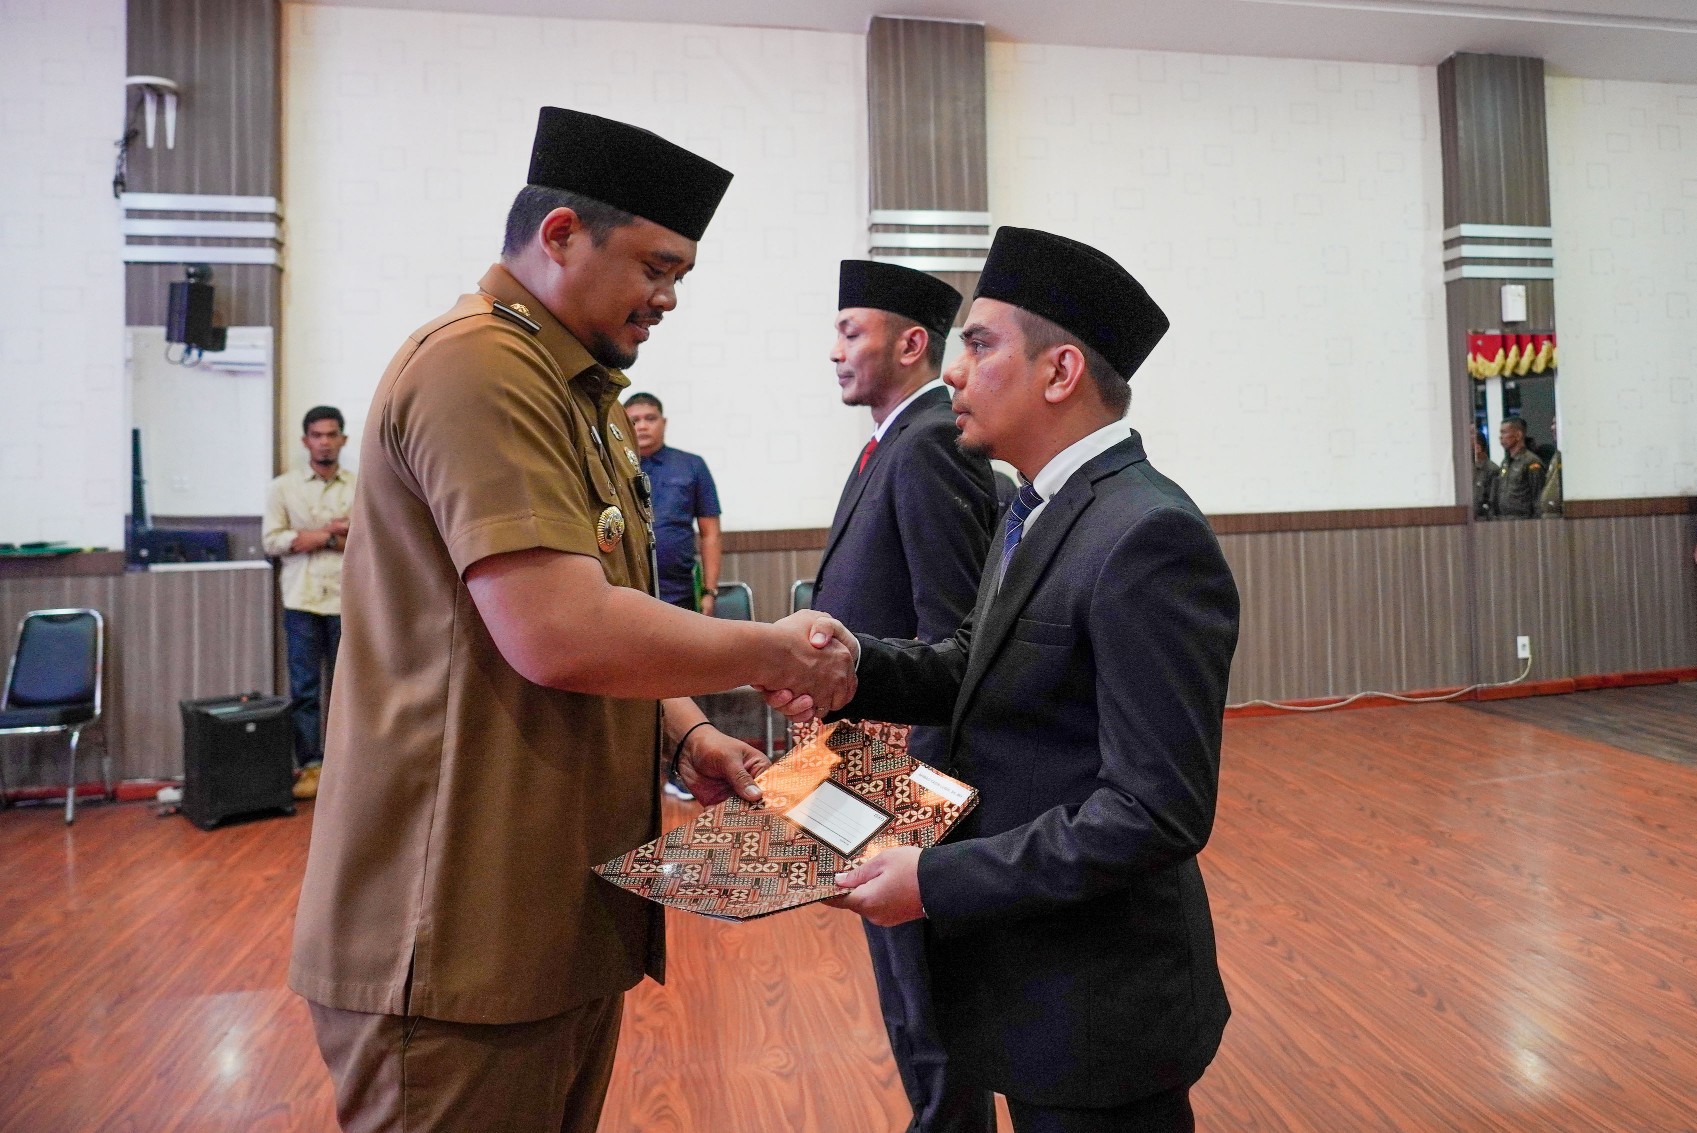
[342, 475]
[934, 383]
[575, 361]
[1054, 475]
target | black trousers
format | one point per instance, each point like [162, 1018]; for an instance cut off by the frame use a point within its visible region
[941, 1102]
[1162, 1113]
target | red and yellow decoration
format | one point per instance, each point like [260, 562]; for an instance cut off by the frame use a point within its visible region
[1496, 354]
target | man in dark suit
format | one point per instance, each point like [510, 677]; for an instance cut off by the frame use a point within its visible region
[902, 561]
[1070, 941]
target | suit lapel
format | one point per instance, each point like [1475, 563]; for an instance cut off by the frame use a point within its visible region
[852, 491]
[857, 481]
[998, 610]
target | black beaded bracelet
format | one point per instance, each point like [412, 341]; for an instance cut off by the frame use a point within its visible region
[677, 752]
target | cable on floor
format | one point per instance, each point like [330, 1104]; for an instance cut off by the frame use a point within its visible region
[1457, 694]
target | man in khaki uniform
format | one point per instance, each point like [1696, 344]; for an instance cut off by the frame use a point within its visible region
[1521, 480]
[505, 671]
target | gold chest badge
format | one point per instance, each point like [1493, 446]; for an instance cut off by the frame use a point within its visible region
[614, 429]
[609, 529]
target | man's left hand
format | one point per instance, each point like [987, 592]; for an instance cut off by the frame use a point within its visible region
[713, 765]
[885, 890]
[708, 601]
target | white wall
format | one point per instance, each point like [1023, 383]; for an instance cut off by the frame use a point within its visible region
[1286, 214]
[64, 462]
[406, 135]
[1623, 199]
[206, 428]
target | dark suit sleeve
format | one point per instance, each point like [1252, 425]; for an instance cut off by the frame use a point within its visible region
[944, 504]
[909, 682]
[1162, 625]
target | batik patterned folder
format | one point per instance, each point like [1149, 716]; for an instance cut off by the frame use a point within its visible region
[844, 795]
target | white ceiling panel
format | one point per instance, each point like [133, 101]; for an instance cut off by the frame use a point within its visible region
[1648, 40]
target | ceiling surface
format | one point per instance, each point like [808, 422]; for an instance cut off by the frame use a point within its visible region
[1654, 40]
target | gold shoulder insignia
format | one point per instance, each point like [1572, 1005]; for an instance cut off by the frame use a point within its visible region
[1535, 466]
[514, 315]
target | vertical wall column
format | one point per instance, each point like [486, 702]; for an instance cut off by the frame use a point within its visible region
[214, 195]
[930, 172]
[1497, 232]
[1496, 213]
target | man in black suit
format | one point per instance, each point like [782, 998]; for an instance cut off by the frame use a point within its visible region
[1070, 941]
[902, 561]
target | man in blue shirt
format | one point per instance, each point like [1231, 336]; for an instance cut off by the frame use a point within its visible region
[684, 498]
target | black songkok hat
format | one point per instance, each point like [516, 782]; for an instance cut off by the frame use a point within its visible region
[1078, 289]
[627, 167]
[915, 295]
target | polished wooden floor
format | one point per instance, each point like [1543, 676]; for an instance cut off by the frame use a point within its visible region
[1429, 918]
[1658, 720]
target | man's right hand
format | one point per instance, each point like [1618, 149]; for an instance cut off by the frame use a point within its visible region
[812, 674]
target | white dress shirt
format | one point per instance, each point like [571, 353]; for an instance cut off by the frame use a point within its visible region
[884, 425]
[1054, 475]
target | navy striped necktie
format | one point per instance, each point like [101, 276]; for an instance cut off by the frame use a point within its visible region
[1014, 528]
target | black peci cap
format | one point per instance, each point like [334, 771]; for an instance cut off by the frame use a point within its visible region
[627, 167]
[915, 295]
[1077, 288]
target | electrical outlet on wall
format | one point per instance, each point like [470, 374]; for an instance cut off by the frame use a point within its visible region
[1523, 647]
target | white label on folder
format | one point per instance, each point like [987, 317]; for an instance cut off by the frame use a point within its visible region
[838, 817]
[939, 784]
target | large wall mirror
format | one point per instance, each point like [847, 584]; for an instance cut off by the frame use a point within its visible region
[1516, 432]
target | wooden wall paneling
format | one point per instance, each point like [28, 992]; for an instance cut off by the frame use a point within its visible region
[1276, 646]
[928, 142]
[1634, 593]
[170, 636]
[1337, 612]
[926, 98]
[1430, 605]
[203, 633]
[1250, 523]
[224, 54]
[770, 574]
[1494, 140]
[1523, 584]
[1649, 505]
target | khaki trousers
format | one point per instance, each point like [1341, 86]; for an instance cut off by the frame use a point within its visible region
[408, 1074]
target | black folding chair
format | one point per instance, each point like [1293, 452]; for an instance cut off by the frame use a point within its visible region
[801, 595]
[54, 685]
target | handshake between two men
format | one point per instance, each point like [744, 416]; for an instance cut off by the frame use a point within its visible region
[806, 663]
[616, 641]
[812, 659]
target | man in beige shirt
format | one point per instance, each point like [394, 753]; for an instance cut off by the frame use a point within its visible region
[507, 675]
[306, 525]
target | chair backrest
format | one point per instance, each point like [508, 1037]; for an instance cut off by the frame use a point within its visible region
[734, 601]
[801, 595]
[58, 659]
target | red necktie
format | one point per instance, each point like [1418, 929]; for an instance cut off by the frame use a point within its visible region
[866, 455]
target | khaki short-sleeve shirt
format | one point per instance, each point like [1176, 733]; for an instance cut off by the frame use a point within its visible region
[461, 806]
